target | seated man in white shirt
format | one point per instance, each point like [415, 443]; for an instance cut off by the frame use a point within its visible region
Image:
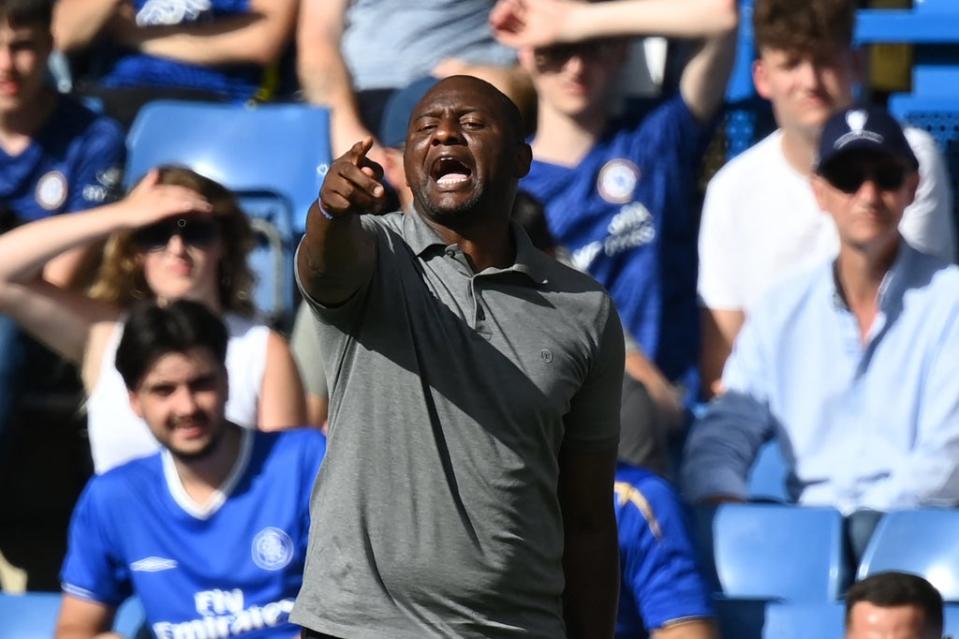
[852, 365]
[760, 219]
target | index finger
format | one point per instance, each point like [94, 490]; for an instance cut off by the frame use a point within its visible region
[358, 151]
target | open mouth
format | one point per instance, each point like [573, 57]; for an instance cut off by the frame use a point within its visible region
[448, 171]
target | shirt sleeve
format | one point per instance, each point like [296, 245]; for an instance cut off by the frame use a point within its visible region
[305, 345]
[724, 442]
[593, 419]
[660, 569]
[91, 569]
[97, 176]
[929, 474]
[718, 286]
[927, 223]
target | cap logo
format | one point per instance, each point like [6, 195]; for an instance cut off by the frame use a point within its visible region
[856, 120]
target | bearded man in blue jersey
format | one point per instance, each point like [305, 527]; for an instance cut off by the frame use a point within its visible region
[211, 532]
[620, 195]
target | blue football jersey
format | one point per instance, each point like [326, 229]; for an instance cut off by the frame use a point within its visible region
[628, 215]
[232, 570]
[131, 69]
[74, 162]
[661, 581]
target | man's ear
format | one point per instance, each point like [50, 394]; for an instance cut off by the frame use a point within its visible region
[912, 185]
[760, 81]
[524, 158]
[135, 403]
[819, 187]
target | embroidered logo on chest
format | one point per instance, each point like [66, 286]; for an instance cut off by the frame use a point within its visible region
[51, 190]
[617, 180]
[272, 549]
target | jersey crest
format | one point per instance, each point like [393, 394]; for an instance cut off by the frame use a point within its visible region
[272, 549]
[617, 181]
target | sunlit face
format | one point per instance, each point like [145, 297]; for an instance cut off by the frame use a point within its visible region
[868, 621]
[182, 398]
[575, 79]
[180, 264]
[805, 89]
[23, 64]
[461, 150]
[865, 199]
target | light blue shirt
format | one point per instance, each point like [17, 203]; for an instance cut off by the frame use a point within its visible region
[863, 425]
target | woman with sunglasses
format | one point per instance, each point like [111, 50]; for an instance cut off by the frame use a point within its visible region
[176, 235]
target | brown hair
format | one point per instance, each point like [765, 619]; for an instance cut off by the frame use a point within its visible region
[806, 26]
[20, 13]
[120, 279]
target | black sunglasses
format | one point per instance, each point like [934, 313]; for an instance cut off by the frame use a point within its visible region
[848, 177]
[595, 49]
[195, 231]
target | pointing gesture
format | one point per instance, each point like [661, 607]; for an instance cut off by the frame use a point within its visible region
[353, 184]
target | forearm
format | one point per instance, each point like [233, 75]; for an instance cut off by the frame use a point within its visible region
[77, 23]
[249, 39]
[704, 80]
[335, 258]
[722, 447]
[591, 566]
[670, 18]
[26, 249]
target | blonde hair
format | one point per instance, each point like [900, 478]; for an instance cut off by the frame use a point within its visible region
[120, 279]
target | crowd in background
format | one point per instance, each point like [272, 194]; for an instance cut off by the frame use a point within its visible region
[801, 291]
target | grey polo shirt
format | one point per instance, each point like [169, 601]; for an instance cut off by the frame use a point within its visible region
[436, 513]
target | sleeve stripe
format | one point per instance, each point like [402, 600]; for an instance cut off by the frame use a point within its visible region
[626, 492]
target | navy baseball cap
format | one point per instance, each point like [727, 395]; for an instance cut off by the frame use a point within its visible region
[399, 108]
[862, 128]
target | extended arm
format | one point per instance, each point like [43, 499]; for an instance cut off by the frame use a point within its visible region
[257, 38]
[323, 73]
[336, 256]
[534, 23]
[720, 328]
[591, 557]
[84, 619]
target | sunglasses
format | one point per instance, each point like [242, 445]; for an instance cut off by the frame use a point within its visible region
[194, 231]
[849, 177]
[596, 49]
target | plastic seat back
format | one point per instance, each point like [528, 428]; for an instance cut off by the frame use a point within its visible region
[28, 616]
[768, 476]
[923, 542]
[788, 553]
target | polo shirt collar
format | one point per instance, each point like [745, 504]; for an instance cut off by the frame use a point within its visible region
[529, 260]
[893, 283]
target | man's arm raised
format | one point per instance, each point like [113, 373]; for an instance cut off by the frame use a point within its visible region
[337, 256]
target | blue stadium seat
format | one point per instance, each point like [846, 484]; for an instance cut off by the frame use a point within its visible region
[773, 552]
[273, 157]
[917, 541]
[767, 478]
[28, 616]
[824, 620]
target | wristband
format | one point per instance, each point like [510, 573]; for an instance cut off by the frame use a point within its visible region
[323, 212]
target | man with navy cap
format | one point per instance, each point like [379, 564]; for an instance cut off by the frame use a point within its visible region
[852, 365]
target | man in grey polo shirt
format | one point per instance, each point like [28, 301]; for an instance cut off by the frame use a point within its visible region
[474, 407]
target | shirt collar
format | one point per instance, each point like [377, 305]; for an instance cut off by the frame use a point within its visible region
[891, 287]
[530, 261]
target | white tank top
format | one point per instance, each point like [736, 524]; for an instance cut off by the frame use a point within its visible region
[117, 435]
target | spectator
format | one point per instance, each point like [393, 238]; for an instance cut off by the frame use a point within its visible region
[663, 594]
[760, 219]
[177, 235]
[896, 605]
[352, 56]
[620, 195]
[849, 365]
[198, 50]
[495, 417]
[209, 533]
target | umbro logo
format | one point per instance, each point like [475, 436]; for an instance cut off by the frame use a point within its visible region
[153, 564]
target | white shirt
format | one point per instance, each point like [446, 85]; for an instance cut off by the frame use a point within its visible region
[760, 222]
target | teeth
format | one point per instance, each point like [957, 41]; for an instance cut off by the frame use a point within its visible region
[452, 178]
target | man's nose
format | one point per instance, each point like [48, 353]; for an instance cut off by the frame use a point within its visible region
[448, 131]
[175, 244]
[868, 190]
[184, 401]
[6, 58]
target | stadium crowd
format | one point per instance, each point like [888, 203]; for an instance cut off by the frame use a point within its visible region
[537, 339]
